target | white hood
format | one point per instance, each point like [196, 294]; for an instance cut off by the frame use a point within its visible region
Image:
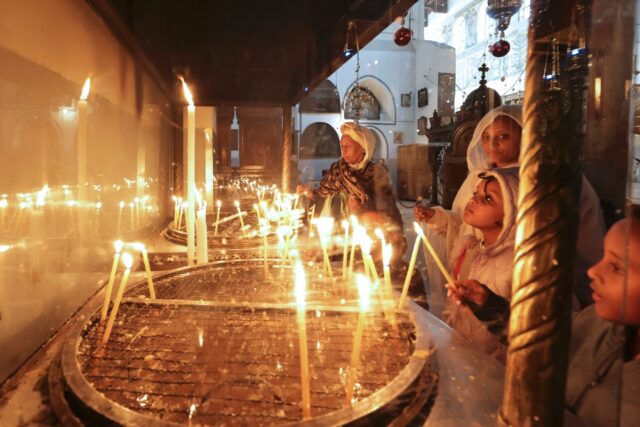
[476, 159]
[362, 136]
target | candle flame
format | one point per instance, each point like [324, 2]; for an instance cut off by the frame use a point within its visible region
[187, 92]
[138, 246]
[4, 248]
[364, 289]
[387, 251]
[98, 205]
[85, 89]
[121, 204]
[365, 243]
[379, 234]
[4, 203]
[218, 203]
[127, 260]
[300, 285]
[118, 245]
[345, 224]
[417, 228]
[236, 204]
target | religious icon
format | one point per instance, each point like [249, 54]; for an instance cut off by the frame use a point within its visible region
[405, 99]
[397, 137]
[423, 98]
[422, 125]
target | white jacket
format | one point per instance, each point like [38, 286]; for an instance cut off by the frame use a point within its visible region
[590, 230]
[492, 266]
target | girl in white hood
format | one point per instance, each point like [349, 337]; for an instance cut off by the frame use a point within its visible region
[496, 144]
[485, 256]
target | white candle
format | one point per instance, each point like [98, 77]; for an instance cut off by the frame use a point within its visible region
[354, 241]
[436, 258]
[412, 264]
[237, 204]
[218, 204]
[364, 288]
[325, 229]
[345, 225]
[387, 301]
[191, 173]
[82, 151]
[112, 277]
[147, 267]
[300, 290]
[203, 253]
[131, 216]
[127, 261]
[176, 209]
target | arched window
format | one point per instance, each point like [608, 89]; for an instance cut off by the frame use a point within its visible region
[360, 95]
[471, 29]
[483, 23]
[319, 140]
[323, 99]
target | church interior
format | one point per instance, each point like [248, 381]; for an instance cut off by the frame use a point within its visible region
[431, 207]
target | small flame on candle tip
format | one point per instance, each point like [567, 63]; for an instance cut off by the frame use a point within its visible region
[379, 234]
[364, 288]
[127, 260]
[417, 228]
[218, 203]
[121, 204]
[85, 89]
[118, 245]
[187, 92]
[387, 251]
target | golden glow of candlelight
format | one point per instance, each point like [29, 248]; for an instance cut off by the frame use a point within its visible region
[127, 260]
[418, 229]
[117, 245]
[187, 93]
[236, 204]
[4, 248]
[41, 195]
[98, 205]
[386, 254]
[200, 337]
[85, 89]
[218, 204]
[4, 203]
[379, 234]
[301, 285]
[364, 289]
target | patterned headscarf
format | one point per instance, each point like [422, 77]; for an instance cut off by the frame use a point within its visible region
[364, 137]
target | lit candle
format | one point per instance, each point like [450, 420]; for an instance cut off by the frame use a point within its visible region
[201, 231]
[3, 213]
[191, 173]
[345, 225]
[325, 228]
[264, 230]
[136, 200]
[354, 242]
[127, 261]
[380, 235]
[237, 204]
[364, 288]
[82, 150]
[183, 208]
[121, 205]
[218, 204]
[365, 247]
[387, 301]
[300, 290]
[176, 209]
[257, 209]
[145, 259]
[112, 277]
[412, 264]
[436, 258]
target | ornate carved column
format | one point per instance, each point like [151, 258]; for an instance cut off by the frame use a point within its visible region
[286, 147]
[548, 214]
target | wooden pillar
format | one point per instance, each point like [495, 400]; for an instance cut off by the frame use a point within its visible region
[286, 147]
[547, 225]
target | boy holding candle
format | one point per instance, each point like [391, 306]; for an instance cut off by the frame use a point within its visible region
[486, 255]
[603, 382]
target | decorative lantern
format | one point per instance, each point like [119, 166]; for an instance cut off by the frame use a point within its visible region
[402, 37]
[502, 11]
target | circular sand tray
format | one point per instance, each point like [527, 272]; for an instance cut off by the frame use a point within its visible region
[220, 346]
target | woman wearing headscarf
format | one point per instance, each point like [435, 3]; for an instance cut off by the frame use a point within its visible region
[364, 190]
[363, 186]
[496, 144]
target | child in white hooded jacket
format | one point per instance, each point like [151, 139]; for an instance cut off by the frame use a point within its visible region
[496, 144]
[487, 254]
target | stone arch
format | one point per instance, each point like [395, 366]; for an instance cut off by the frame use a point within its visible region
[323, 99]
[383, 95]
[319, 140]
[382, 146]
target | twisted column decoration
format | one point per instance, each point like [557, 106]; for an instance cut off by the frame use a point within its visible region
[547, 224]
[286, 147]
